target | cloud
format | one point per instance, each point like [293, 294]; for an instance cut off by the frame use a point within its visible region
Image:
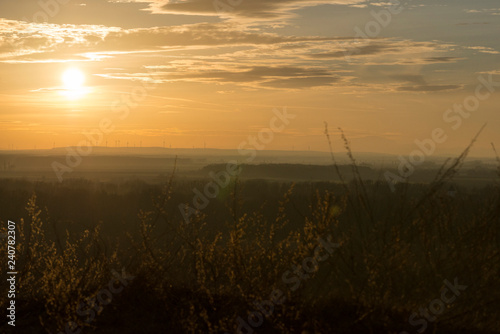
[471, 23]
[429, 88]
[18, 38]
[417, 79]
[390, 79]
[252, 9]
[365, 50]
[489, 11]
[483, 49]
[291, 63]
[441, 59]
[300, 83]
[201, 34]
[377, 47]
[255, 76]
[212, 53]
[51, 41]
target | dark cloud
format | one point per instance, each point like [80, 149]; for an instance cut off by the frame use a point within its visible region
[416, 79]
[256, 76]
[441, 59]
[471, 23]
[373, 48]
[253, 9]
[298, 83]
[429, 88]
[267, 71]
[370, 49]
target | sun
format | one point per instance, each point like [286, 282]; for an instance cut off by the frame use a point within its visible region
[73, 80]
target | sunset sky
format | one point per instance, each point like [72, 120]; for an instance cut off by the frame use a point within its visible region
[195, 72]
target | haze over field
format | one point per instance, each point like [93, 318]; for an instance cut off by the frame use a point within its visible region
[152, 164]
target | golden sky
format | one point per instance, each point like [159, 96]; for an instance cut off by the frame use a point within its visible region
[195, 72]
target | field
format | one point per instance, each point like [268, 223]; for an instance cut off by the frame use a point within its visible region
[347, 255]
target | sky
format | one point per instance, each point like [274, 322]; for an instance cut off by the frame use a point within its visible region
[195, 73]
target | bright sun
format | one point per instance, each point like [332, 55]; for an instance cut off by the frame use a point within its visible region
[73, 80]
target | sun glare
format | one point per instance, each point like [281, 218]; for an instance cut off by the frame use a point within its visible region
[73, 80]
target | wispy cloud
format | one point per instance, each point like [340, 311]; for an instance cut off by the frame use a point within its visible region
[429, 88]
[250, 9]
[490, 11]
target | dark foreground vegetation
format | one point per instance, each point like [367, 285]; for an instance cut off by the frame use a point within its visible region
[120, 258]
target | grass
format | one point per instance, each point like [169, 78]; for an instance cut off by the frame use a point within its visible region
[396, 250]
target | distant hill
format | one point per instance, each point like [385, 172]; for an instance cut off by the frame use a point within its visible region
[294, 171]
